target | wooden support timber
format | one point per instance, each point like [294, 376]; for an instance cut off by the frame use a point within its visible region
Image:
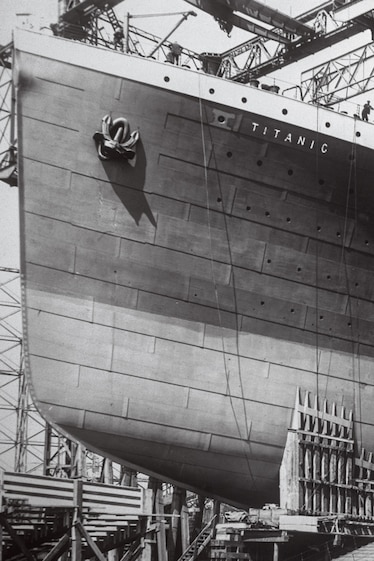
[321, 472]
[43, 512]
[246, 541]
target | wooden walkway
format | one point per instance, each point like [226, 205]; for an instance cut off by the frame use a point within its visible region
[39, 513]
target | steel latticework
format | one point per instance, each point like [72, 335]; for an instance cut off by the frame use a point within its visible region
[341, 78]
[8, 143]
[22, 429]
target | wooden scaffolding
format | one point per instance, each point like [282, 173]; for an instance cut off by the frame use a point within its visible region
[50, 516]
[322, 472]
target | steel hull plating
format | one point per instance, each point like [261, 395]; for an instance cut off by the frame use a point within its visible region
[174, 303]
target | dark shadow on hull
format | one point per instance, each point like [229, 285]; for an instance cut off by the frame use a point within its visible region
[127, 179]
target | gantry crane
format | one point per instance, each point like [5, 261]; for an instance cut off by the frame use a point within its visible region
[291, 39]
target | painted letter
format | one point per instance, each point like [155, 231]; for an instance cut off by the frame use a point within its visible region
[288, 138]
[255, 125]
[324, 148]
[276, 131]
[301, 140]
[312, 144]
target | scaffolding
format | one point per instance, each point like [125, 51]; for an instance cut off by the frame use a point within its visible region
[8, 143]
[22, 429]
[49, 516]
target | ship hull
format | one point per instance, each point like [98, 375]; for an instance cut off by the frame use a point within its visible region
[174, 303]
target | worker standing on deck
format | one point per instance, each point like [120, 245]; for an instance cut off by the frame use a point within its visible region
[174, 54]
[118, 37]
[366, 111]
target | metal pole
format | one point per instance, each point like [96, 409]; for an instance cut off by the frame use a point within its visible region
[127, 33]
[185, 16]
[76, 538]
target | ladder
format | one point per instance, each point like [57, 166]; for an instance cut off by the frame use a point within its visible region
[199, 543]
[113, 20]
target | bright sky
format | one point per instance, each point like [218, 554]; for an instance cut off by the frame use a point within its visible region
[45, 11]
[199, 33]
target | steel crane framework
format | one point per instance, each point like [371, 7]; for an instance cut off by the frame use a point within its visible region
[341, 78]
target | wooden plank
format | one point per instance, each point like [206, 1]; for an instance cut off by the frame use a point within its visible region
[38, 491]
[16, 538]
[299, 523]
[162, 553]
[61, 547]
[229, 555]
[91, 544]
[99, 498]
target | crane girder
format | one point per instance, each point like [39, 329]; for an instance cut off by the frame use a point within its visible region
[299, 50]
[224, 14]
[302, 40]
[341, 78]
[270, 16]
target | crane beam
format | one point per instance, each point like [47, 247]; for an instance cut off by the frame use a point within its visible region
[341, 78]
[300, 50]
[224, 14]
[266, 14]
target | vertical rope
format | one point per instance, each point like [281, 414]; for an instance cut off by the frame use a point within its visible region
[226, 369]
[352, 180]
[317, 265]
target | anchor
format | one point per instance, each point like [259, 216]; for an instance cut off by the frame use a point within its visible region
[115, 141]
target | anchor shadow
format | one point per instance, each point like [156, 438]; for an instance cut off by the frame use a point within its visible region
[127, 179]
